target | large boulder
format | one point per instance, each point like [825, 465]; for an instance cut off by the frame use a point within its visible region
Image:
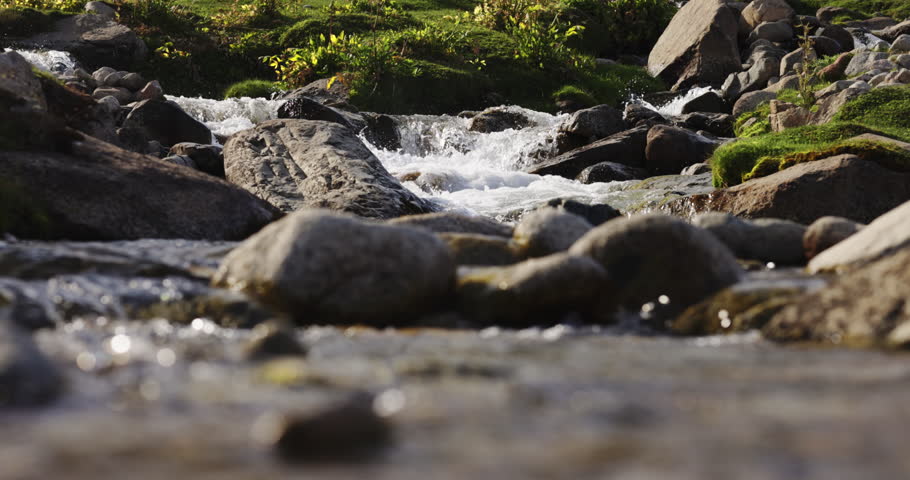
[336, 95]
[95, 40]
[839, 34]
[296, 164]
[536, 291]
[167, 123]
[661, 258]
[863, 61]
[780, 31]
[844, 186]
[826, 232]
[627, 148]
[18, 82]
[549, 230]
[764, 239]
[751, 101]
[589, 125]
[498, 119]
[887, 234]
[759, 11]
[864, 308]
[671, 149]
[699, 46]
[451, 222]
[891, 33]
[320, 266]
[91, 190]
[303, 107]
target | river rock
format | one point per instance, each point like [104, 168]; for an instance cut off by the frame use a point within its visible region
[862, 308]
[595, 214]
[698, 46]
[901, 45]
[763, 239]
[497, 119]
[312, 263]
[347, 432]
[589, 125]
[719, 124]
[122, 95]
[826, 232]
[885, 235]
[151, 91]
[805, 192]
[825, 46]
[786, 115]
[638, 115]
[27, 377]
[382, 131]
[759, 11]
[208, 158]
[337, 96]
[651, 256]
[891, 34]
[102, 9]
[863, 61]
[303, 107]
[167, 123]
[828, 107]
[95, 40]
[181, 160]
[708, 102]
[306, 163]
[610, 172]
[273, 340]
[779, 31]
[133, 81]
[670, 149]
[536, 291]
[829, 13]
[755, 78]
[750, 101]
[696, 169]
[627, 148]
[451, 222]
[549, 230]
[839, 34]
[92, 190]
[20, 83]
[476, 249]
[790, 60]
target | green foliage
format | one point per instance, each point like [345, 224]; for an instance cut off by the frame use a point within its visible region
[69, 6]
[624, 26]
[251, 88]
[544, 45]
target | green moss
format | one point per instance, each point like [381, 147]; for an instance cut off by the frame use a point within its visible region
[574, 94]
[754, 123]
[321, 23]
[19, 213]
[251, 88]
[885, 111]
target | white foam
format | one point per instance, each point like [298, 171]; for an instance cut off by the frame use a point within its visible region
[53, 61]
[226, 117]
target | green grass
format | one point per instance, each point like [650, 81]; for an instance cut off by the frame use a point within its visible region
[884, 111]
[897, 9]
[251, 88]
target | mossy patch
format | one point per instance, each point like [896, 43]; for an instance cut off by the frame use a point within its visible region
[754, 123]
[574, 94]
[887, 155]
[862, 9]
[251, 88]
[884, 111]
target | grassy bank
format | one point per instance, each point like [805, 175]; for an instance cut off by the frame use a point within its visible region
[884, 111]
[398, 56]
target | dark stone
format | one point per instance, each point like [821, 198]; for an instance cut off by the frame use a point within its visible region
[167, 123]
[305, 108]
[839, 35]
[637, 115]
[719, 124]
[382, 131]
[497, 119]
[671, 149]
[610, 172]
[594, 214]
[627, 148]
[589, 125]
[208, 158]
[825, 46]
[451, 222]
[709, 102]
[274, 339]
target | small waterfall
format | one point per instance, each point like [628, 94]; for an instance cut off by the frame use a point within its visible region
[226, 117]
[674, 107]
[54, 61]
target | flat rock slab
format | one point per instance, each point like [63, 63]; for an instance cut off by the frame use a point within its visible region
[843, 186]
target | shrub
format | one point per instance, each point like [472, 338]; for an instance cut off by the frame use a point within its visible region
[574, 94]
[251, 88]
[625, 26]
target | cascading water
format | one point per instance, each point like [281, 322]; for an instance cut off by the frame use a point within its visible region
[675, 106]
[226, 117]
[53, 61]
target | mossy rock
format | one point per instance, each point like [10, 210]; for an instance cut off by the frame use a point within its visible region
[251, 88]
[19, 214]
[735, 309]
[885, 107]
